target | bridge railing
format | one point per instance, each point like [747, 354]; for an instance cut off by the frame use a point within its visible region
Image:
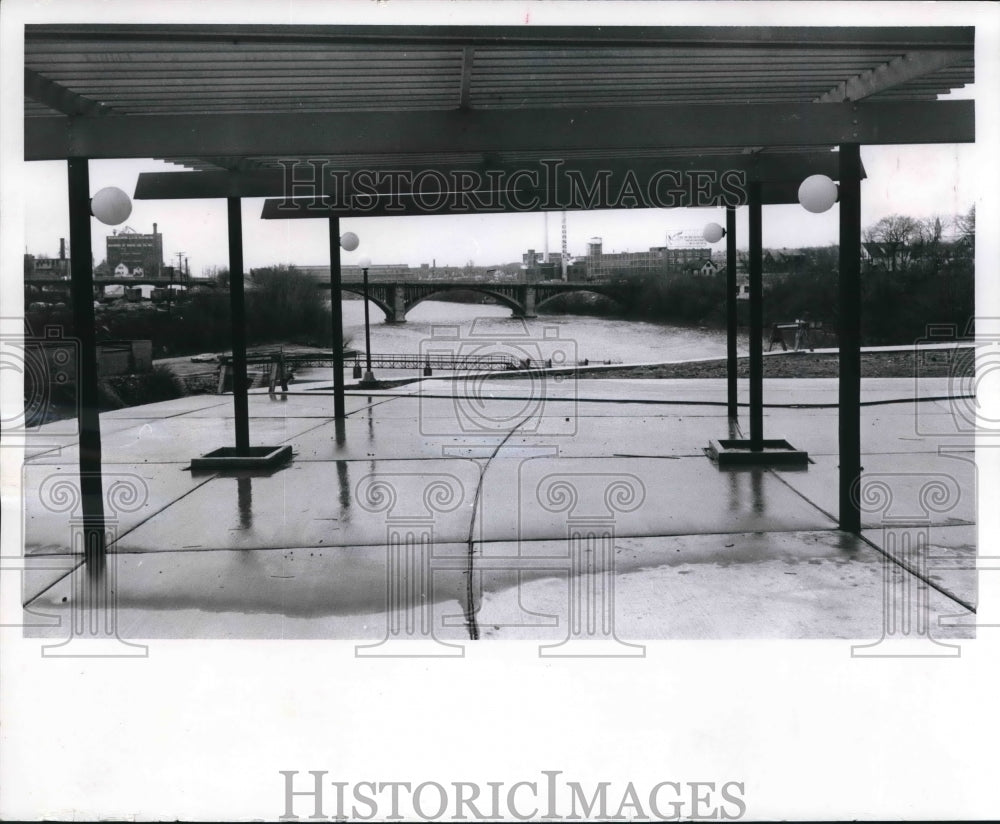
[481, 363]
[279, 363]
[395, 360]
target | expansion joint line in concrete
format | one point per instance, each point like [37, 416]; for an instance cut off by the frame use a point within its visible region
[37, 595]
[905, 567]
[470, 593]
[681, 402]
[118, 538]
[920, 576]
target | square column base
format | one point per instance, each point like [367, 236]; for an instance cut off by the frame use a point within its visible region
[256, 457]
[773, 452]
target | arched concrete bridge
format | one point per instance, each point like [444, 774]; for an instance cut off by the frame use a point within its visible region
[397, 298]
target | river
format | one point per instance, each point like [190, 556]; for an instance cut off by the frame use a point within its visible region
[437, 326]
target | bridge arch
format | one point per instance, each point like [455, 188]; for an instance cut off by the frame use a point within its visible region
[390, 314]
[516, 306]
[611, 294]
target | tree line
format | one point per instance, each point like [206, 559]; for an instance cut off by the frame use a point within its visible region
[914, 273]
[282, 305]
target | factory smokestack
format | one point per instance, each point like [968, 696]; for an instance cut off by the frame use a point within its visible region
[62, 248]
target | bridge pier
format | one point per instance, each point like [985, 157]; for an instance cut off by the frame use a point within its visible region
[528, 297]
[398, 314]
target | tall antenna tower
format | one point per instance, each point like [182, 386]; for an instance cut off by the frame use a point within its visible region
[565, 248]
[545, 259]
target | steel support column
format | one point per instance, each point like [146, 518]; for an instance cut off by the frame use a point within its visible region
[731, 317]
[82, 291]
[756, 321]
[850, 336]
[337, 320]
[237, 311]
[369, 378]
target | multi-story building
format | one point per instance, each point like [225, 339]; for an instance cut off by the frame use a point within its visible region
[686, 251]
[601, 264]
[682, 254]
[534, 267]
[136, 251]
[532, 258]
[46, 267]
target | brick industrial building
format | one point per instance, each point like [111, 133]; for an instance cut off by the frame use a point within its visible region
[141, 254]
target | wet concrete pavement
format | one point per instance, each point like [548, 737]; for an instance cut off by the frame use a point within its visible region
[550, 510]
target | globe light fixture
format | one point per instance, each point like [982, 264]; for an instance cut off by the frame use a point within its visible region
[817, 193]
[713, 233]
[111, 206]
[348, 241]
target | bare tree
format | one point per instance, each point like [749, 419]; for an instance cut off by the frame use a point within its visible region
[965, 225]
[892, 239]
[928, 244]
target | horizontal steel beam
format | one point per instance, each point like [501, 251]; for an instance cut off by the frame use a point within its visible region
[58, 97]
[361, 181]
[528, 201]
[609, 128]
[798, 37]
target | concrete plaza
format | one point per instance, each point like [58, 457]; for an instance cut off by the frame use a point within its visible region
[547, 509]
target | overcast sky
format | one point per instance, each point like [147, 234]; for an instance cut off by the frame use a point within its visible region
[921, 181]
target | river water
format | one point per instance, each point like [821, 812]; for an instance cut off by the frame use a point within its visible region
[436, 326]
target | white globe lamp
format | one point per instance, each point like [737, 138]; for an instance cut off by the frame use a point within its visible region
[817, 194]
[713, 233]
[111, 206]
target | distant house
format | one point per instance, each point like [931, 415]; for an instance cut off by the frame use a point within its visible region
[784, 261]
[888, 256]
[705, 267]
